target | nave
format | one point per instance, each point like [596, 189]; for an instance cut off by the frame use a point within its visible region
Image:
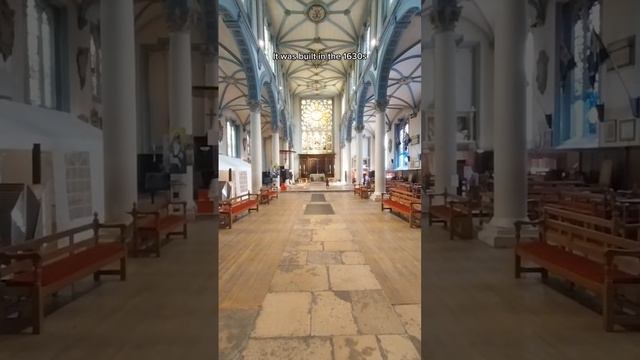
[348, 281]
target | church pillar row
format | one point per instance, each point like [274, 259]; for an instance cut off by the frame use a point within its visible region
[379, 150]
[119, 108]
[444, 16]
[510, 141]
[211, 103]
[275, 153]
[359, 155]
[256, 147]
[349, 160]
[180, 101]
[179, 22]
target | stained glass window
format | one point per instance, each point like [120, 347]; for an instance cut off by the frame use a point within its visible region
[317, 125]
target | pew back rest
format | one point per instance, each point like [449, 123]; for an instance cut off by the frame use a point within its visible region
[24, 257]
[404, 197]
[568, 232]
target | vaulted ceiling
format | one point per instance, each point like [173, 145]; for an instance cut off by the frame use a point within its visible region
[329, 26]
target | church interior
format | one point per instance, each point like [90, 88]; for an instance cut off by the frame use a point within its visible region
[319, 179]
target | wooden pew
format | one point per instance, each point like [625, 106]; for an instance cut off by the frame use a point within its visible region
[41, 267]
[268, 194]
[455, 212]
[152, 228]
[363, 191]
[238, 205]
[584, 256]
[404, 203]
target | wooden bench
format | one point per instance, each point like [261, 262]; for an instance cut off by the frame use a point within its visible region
[152, 228]
[268, 194]
[43, 266]
[237, 205]
[404, 203]
[586, 257]
[363, 191]
[455, 212]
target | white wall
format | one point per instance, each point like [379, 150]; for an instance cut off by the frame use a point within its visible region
[620, 20]
[58, 133]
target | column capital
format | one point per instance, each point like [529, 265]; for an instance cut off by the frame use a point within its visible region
[381, 105]
[254, 105]
[359, 129]
[181, 14]
[445, 14]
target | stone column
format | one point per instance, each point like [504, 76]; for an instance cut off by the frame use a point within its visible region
[180, 87]
[256, 147]
[380, 106]
[359, 155]
[444, 15]
[349, 161]
[510, 139]
[291, 156]
[275, 153]
[119, 108]
[211, 102]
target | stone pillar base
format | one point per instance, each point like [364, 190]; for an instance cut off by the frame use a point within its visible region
[501, 233]
[376, 196]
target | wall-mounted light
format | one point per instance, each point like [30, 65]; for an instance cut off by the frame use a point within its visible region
[261, 43]
[373, 42]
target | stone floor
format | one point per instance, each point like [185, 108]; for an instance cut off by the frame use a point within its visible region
[325, 302]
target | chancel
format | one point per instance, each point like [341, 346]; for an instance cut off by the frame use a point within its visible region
[319, 179]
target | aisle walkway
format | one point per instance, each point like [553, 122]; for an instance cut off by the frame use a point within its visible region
[324, 299]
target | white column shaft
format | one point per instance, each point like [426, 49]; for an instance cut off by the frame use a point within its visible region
[180, 99]
[275, 153]
[119, 108]
[256, 152]
[379, 152]
[359, 157]
[445, 110]
[510, 139]
[348, 162]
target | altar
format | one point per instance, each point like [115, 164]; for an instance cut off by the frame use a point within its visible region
[317, 177]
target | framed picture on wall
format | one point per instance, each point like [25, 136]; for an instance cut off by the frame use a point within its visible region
[622, 52]
[627, 130]
[609, 129]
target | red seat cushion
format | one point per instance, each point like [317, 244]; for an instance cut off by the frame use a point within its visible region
[398, 206]
[67, 266]
[577, 264]
[164, 223]
[170, 221]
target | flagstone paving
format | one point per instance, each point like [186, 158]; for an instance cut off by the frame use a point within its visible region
[326, 303]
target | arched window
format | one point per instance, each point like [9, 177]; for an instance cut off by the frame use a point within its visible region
[402, 144]
[41, 53]
[580, 78]
[232, 139]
